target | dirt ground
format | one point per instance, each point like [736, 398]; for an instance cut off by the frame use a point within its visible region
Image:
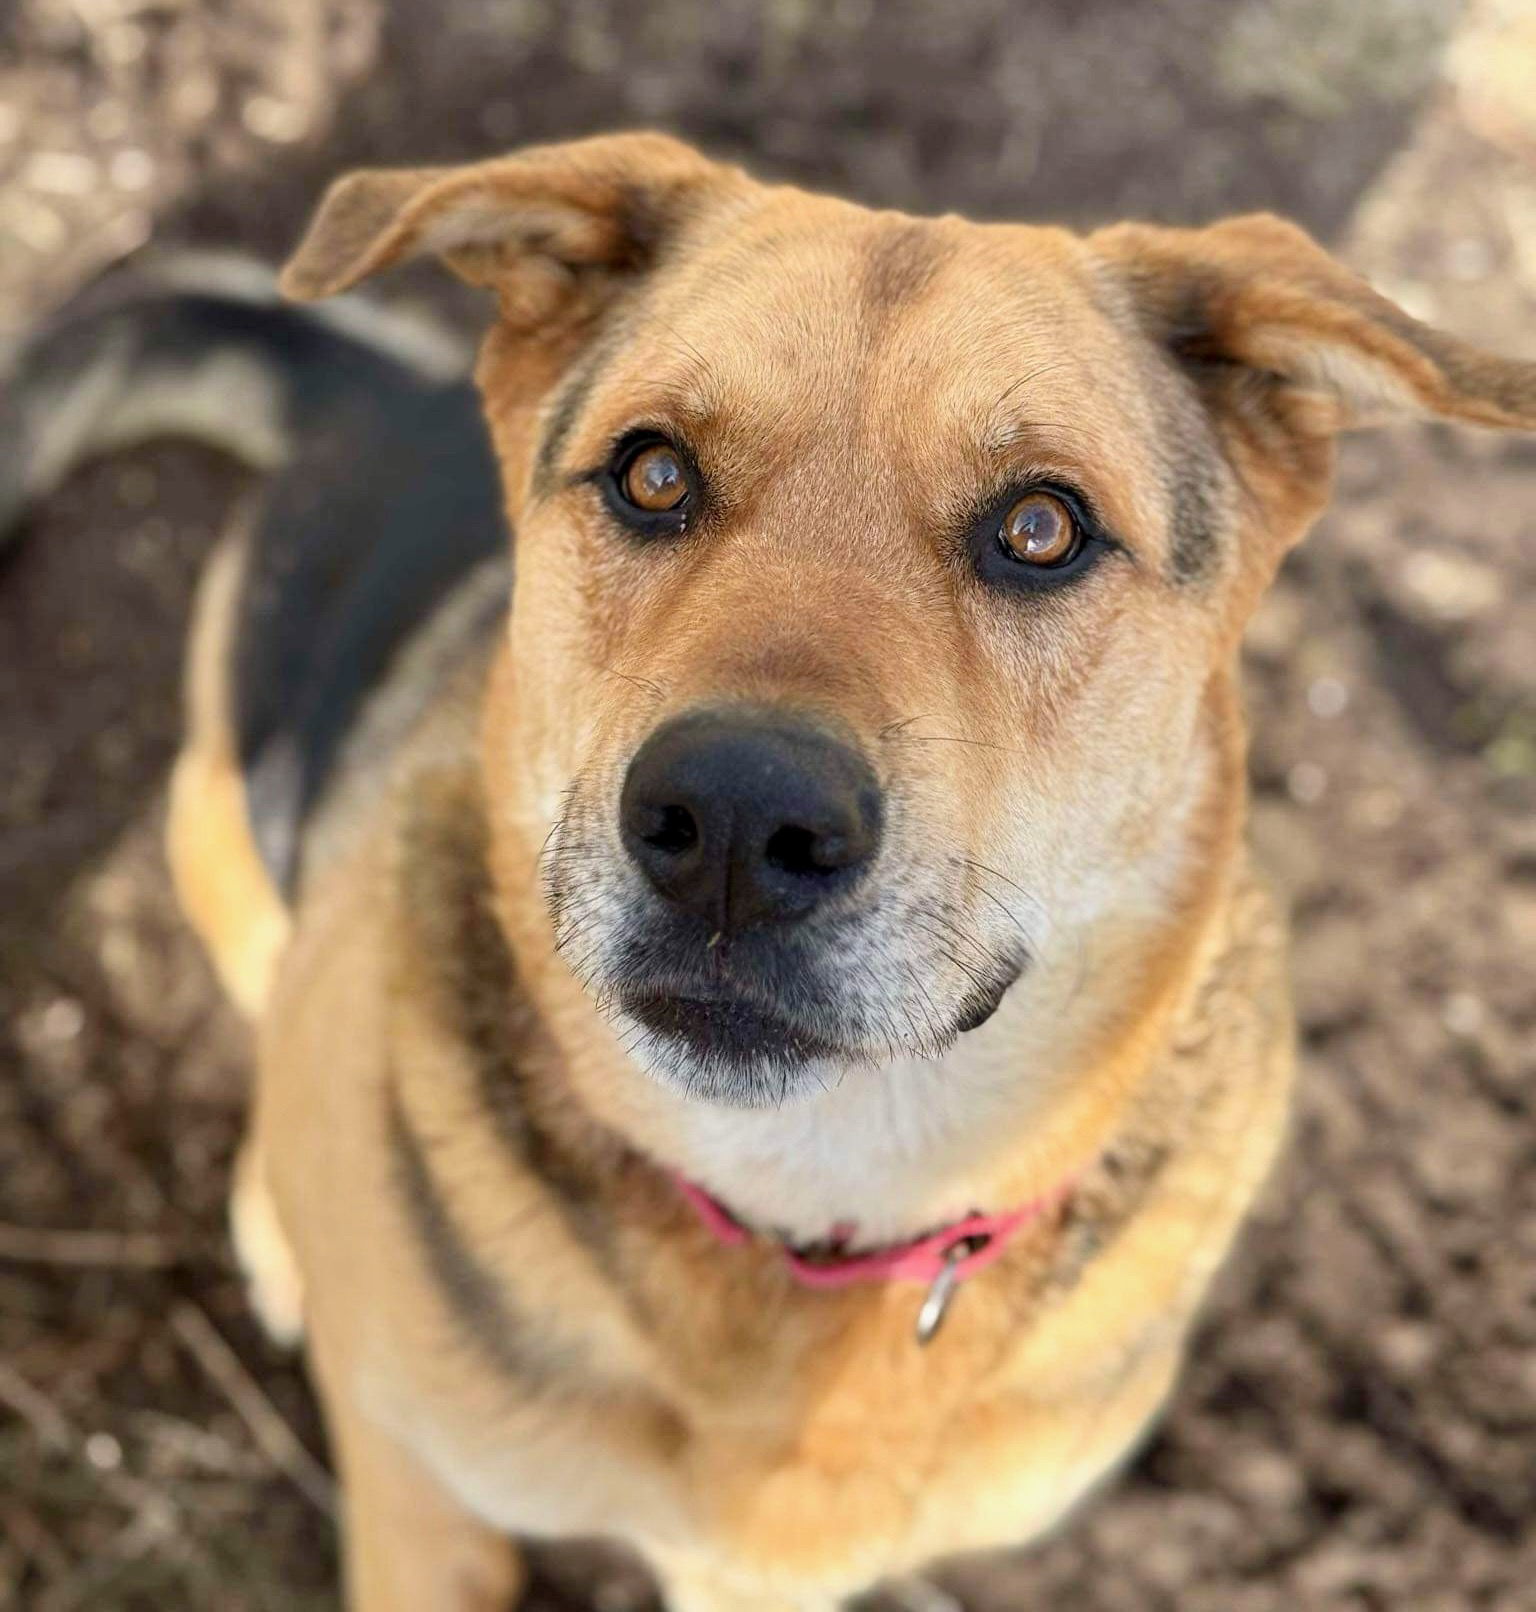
[1357, 1428]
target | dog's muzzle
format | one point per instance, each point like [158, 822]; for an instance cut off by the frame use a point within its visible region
[759, 928]
[746, 823]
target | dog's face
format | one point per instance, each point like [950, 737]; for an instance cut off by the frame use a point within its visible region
[878, 579]
[868, 619]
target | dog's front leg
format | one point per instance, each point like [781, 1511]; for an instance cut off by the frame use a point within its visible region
[409, 1546]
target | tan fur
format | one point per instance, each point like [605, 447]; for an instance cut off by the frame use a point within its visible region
[515, 1322]
[220, 880]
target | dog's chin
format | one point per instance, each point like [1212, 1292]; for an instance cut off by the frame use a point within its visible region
[731, 1051]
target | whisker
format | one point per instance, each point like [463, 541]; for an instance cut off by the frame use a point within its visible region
[965, 968]
[1022, 382]
[647, 685]
[1033, 903]
[935, 1036]
[685, 344]
[950, 738]
[894, 730]
[997, 902]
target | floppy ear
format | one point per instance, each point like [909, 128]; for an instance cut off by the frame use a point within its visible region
[536, 226]
[1261, 314]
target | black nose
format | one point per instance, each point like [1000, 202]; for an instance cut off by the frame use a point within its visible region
[748, 818]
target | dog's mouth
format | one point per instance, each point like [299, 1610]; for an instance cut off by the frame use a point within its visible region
[733, 1038]
[988, 996]
[726, 1030]
[757, 1015]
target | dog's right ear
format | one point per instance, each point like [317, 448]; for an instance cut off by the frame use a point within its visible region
[538, 227]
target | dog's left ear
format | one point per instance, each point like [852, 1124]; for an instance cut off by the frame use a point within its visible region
[1263, 317]
[537, 226]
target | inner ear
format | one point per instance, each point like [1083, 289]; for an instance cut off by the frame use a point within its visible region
[532, 225]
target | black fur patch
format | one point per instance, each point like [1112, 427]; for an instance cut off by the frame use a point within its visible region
[475, 1295]
[1199, 486]
[570, 400]
[392, 498]
[461, 952]
[1103, 1204]
[1170, 325]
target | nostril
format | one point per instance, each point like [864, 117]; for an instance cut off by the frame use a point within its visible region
[805, 853]
[670, 829]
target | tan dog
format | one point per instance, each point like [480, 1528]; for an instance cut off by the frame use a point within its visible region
[762, 1051]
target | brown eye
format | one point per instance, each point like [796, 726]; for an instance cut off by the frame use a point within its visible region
[1039, 530]
[654, 480]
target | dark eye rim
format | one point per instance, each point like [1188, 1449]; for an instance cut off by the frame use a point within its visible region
[997, 567]
[610, 483]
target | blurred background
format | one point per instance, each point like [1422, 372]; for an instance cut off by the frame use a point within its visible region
[1357, 1429]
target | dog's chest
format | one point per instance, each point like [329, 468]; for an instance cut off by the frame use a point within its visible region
[828, 1446]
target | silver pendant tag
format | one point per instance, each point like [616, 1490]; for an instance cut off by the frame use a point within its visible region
[941, 1294]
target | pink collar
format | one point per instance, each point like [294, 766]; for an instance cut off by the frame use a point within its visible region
[941, 1260]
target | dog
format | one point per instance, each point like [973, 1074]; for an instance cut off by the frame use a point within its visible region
[767, 1025]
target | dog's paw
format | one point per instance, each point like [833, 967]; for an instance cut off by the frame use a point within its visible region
[272, 1278]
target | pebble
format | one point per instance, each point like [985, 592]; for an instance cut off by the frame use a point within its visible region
[1270, 1480]
[1451, 586]
[103, 1452]
[123, 44]
[1379, 808]
[63, 1020]
[1306, 783]
[131, 169]
[1327, 697]
[1469, 258]
[1463, 1014]
[277, 122]
[1407, 1347]
[62, 173]
[39, 228]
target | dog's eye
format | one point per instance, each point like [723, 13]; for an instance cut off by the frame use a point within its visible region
[653, 479]
[1038, 539]
[1039, 530]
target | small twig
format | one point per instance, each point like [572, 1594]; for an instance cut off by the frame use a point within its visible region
[135, 1250]
[33, 1540]
[178, 1448]
[153, 1514]
[35, 1409]
[274, 1437]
